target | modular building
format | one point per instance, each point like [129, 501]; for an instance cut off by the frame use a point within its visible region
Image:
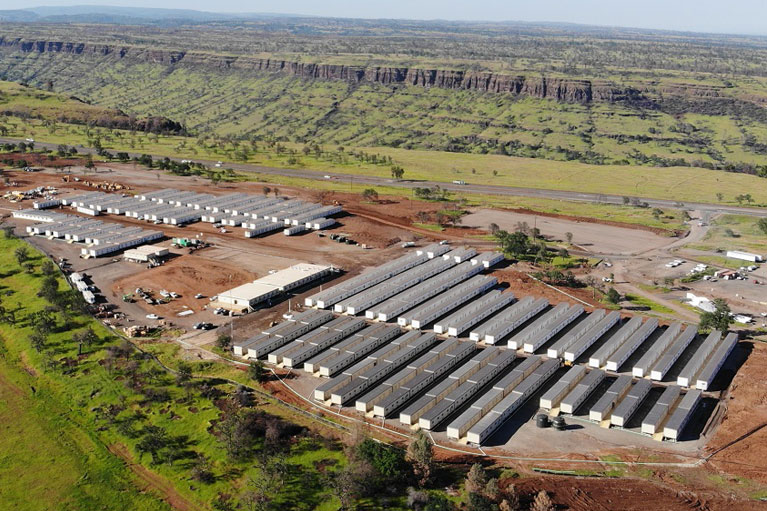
[745, 256]
[247, 296]
[46, 203]
[145, 253]
[39, 216]
[116, 246]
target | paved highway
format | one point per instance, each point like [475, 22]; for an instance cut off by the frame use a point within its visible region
[467, 188]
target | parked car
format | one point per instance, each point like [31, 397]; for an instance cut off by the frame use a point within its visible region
[152, 316]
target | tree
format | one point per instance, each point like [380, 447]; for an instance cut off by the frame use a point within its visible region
[476, 479]
[266, 190]
[48, 268]
[542, 502]
[397, 172]
[613, 296]
[478, 502]
[493, 228]
[263, 489]
[569, 237]
[154, 439]
[223, 341]
[511, 502]
[8, 232]
[420, 455]
[43, 321]
[720, 319]
[719, 196]
[370, 194]
[387, 461]
[49, 289]
[21, 254]
[515, 244]
[762, 225]
[85, 338]
[202, 470]
[276, 192]
[184, 373]
[257, 371]
[492, 491]
[37, 340]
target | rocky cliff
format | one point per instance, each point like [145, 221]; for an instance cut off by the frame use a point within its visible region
[555, 88]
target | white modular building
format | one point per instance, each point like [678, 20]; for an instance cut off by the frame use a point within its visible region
[744, 256]
[247, 296]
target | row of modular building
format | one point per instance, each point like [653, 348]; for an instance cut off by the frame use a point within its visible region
[487, 353]
[101, 238]
[255, 213]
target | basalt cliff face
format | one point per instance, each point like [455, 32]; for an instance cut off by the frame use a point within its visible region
[554, 88]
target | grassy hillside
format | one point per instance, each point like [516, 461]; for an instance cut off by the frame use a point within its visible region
[245, 105]
[666, 99]
[64, 416]
[30, 104]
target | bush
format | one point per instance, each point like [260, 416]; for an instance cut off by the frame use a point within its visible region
[388, 461]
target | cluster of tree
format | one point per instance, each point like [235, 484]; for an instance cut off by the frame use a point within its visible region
[558, 278]
[111, 119]
[435, 193]
[21, 147]
[519, 245]
[720, 319]
[62, 304]
[243, 431]
[373, 469]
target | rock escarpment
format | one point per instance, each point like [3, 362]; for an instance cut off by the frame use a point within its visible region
[543, 87]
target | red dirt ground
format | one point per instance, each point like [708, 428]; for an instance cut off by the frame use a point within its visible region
[739, 445]
[604, 494]
[187, 276]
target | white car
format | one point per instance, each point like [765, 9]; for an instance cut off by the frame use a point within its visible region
[152, 316]
[199, 295]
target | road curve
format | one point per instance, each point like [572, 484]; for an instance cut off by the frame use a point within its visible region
[467, 188]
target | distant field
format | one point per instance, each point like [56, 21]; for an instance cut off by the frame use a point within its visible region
[678, 183]
[734, 232]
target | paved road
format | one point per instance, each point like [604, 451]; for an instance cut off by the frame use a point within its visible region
[705, 208]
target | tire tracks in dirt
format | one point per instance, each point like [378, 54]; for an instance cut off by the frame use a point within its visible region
[156, 483]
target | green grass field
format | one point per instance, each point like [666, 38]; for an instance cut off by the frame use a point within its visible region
[44, 425]
[676, 183]
[59, 427]
[646, 302]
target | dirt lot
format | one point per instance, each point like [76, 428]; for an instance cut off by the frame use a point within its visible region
[592, 237]
[186, 275]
